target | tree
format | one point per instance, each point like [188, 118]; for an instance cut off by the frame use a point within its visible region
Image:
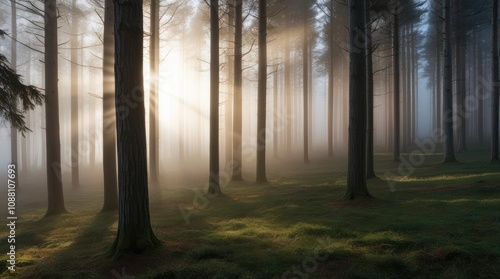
[305, 81]
[213, 185]
[356, 169]
[449, 154]
[237, 99]
[108, 108]
[495, 84]
[134, 226]
[75, 130]
[15, 97]
[53, 142]
[370, 171]
[261, 94]
[396, 79]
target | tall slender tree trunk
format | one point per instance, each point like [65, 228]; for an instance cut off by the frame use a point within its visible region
[237, 112]
[370, 168]
[331, 44]
[495, 84]
[214, 187]
[480, 119]
[134, 226]
[288, 83]
[448, 87]
[228, 104]
[261, 94]
[356, 168]
[154, 77]
[461, 77]
[438, 76]
[53, 142]
[305, 89]
[275, 112]
[396, 69]
[13, 64]
[75, 129]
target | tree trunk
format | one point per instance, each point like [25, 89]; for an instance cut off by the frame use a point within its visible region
[370, 171]
[261, 94]
[331, 44]
[305, 90]
[448, 87]
[237, 112]
[108, 111]
[53, 142]
[460, 68]
[134, 227]
[154, 74]
[356, 170]
[396, 69]
[214, 187]
[495, 84]
[75, 130]
[228, 104]
[480, 120]
[288, 82]
[275, 112]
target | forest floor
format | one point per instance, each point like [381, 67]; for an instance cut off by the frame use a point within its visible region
[436, 221]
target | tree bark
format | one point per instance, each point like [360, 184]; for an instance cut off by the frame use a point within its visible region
[75, 130]
[134, 227]
[237, 113]
[261, 94]
[305, 89]
[356, 169]
[53, 142]
[396, 68]
[331, 44]
[495, 84]
[214, 187]
[370, 171]
[448, 87]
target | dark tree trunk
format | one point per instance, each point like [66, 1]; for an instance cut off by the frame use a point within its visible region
[134, 227]
[439, 106]
[460, 68]
[356, 169]
[53, 142]
[237, 113]
[480, 119]
[154, 73]
[370, 168]
[396, 69]
[495, 84]
[261, 95]
[288, 82]
[75, 130]
[305, 90]
[214, 187]
[448, 87]
[331, 44]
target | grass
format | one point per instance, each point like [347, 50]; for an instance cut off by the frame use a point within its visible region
[439, 221]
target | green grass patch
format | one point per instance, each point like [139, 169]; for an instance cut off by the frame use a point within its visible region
[439, 221]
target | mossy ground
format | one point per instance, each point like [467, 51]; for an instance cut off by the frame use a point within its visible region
[439, 221]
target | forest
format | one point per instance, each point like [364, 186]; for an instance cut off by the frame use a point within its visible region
[252, 139]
